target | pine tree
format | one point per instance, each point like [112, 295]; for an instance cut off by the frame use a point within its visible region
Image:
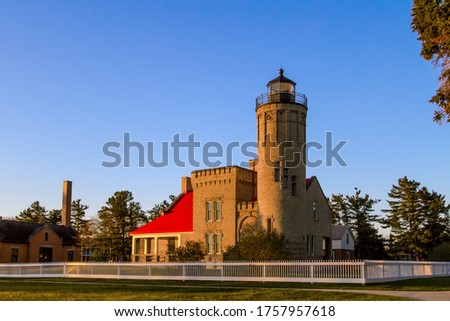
[417, 218]
[356, 211]
[54, 217]
[78, 212]
[33, 214]
[159, 208]
[120, 216]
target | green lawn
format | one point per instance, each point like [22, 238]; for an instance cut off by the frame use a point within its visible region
[133, 290]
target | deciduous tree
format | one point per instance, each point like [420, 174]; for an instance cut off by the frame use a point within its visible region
[192, 252]
[258, 244]
[431, 21]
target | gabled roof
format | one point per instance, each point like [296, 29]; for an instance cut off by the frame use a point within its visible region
[338, 231]
[20, 232]
[177, 219]
[308, 182]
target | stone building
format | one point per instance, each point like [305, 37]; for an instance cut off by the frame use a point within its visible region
[215, 204]
[23, 242]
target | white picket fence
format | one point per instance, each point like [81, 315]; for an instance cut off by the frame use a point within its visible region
[289, 271]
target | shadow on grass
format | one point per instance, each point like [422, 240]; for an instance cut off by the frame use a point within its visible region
[133, 290]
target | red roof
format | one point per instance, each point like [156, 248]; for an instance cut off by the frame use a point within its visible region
[179, 218]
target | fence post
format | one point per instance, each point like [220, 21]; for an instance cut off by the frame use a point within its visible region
[363, 272]
[311, 271]
[264, 272]
[64, 269]
[184, 272]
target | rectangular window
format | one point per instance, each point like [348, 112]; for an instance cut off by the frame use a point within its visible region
[294, 185]
[46, 237]
[217, 243]
[209, 211]
[14, 255]
[218, 210]
[285, 177]
[209, 244]
[311, 245]
[269, 225]
[315, 210]
[276, 171]
[70, 256]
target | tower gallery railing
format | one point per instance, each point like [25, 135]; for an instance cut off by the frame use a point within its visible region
[282, 97]
[290, 271]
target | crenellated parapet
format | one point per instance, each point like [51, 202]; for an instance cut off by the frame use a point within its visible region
[247, 206]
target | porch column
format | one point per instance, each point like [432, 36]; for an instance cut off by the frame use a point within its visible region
[133, 239]
[145, 246]
[156, 245]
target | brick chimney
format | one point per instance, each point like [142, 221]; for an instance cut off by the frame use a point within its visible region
[186, 185]
[66, 203]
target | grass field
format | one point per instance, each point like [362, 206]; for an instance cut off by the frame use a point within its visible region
[134, 290]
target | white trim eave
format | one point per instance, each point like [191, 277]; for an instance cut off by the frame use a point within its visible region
[152, 235]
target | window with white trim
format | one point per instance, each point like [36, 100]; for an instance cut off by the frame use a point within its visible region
[209, 244]
[218, 210]
[217, 243]
[209, 211]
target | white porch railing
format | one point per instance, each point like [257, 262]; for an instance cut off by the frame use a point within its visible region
[289, 271]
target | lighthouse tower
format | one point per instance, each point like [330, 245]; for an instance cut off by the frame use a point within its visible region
[281, 170]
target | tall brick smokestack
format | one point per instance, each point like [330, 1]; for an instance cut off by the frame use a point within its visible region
[66, 203]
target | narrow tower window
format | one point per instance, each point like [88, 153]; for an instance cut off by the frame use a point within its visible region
[285, 177]
[269, 225]
[294, 185]
[276, 171]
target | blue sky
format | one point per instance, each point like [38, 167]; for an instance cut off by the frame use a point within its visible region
[75, 75]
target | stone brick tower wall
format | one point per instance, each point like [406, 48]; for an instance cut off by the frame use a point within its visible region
[281, 170]
[226, 186]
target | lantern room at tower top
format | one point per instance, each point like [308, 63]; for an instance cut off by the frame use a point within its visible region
[281, 89]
